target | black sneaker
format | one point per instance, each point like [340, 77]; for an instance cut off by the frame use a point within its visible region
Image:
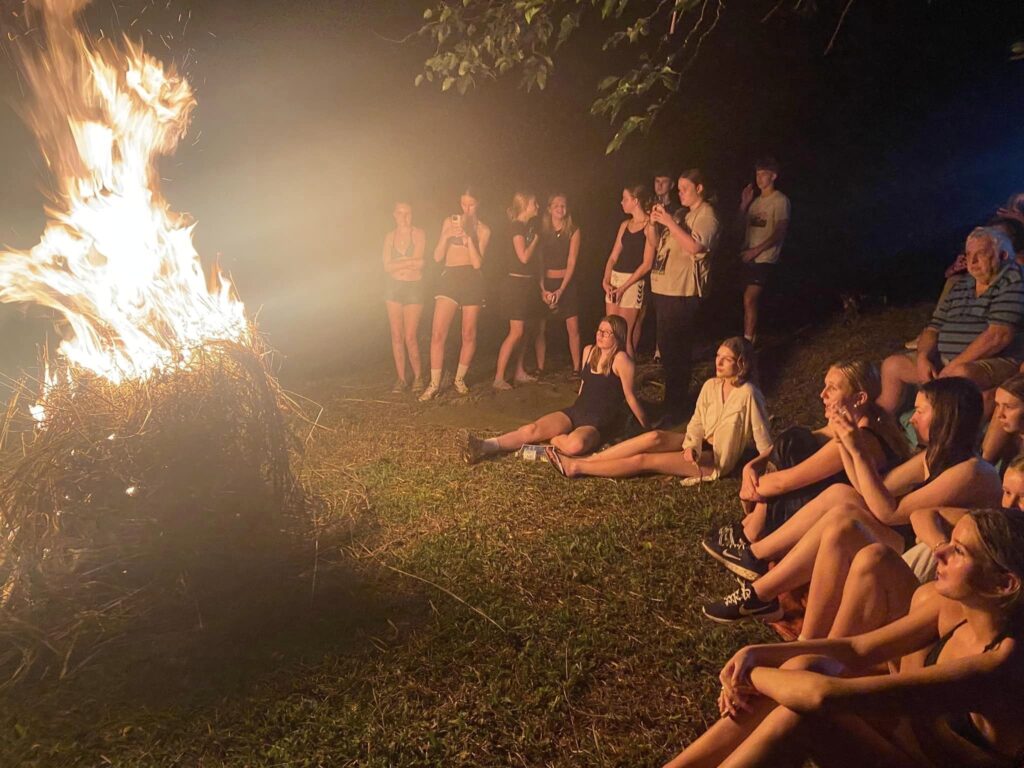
[743, 604]
[472, 448]
[730, 547]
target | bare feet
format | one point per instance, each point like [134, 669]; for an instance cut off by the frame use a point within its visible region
[501, 385]
[524, 378]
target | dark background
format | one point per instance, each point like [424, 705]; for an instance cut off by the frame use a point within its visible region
[309, 127]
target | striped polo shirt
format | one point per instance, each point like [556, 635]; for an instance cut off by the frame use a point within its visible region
[962, 316]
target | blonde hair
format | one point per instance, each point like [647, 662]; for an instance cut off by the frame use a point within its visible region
[520, 202]
[568, 227]
[864, 376]
[602, 363]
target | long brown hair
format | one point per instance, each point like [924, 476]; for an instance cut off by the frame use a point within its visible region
[603, 363]
[1001, 532]
[957, 410]
[746, 357]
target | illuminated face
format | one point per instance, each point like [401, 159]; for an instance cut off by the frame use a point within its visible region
[765, 178]
[1013, 490]
[662, 185]
[690, 194]
[1009, 412]
[629, 203]
[558, 208]
[605, 336]
[468, 205]
[959, 571]
[982, 259]
[403, 215]
[531, 209]
[921, 421]
[837, 392]
[727, 366]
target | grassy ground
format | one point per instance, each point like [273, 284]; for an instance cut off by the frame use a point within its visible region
[488, 615]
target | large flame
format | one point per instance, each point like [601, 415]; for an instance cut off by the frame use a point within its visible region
[113, 259]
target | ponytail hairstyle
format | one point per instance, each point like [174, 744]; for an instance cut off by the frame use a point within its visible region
[642, 195]
[864, 376]
[746, 357]
[520, 202]
[1001, 533]
[569, 227]
[957, 411]
[603, 363]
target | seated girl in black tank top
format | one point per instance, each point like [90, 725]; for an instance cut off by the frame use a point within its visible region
[599, 407]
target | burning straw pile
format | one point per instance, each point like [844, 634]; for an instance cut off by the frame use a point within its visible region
[140, 499]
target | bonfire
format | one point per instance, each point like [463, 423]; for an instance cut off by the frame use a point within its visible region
[151, 466]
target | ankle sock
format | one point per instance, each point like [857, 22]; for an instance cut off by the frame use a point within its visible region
[461, 371]
[435, 377]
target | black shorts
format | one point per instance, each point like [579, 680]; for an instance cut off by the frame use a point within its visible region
[569, 304]
[404, 291]
[464, 285]
[520, 298]
[607, 425]
[756, 273]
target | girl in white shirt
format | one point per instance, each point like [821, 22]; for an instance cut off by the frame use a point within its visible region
[729, 417]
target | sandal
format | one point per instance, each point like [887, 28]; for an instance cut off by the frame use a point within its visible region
[555, 459]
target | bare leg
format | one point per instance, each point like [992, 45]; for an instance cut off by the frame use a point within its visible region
[572, 329]
[516, 328]
[638, 327]
[719, 741]
[751, 300]
[412, 314]
[898, 371]
[543, 429]
[754, 523]
[653, 441]
[796, 567]
[781, 540]
[663, 463]
[540, 345]
[395, 320]
[470, 315]
[521, 375]
[444, 314]
[879, 589]
[580, 440]
[629, 315]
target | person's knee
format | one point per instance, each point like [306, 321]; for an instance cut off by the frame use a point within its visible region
[810, 662]
[572, 445]
[530, 431]
[870, 559]
[840, 530]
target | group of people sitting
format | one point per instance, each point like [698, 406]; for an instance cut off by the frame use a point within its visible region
[660, 257]
[905, 545]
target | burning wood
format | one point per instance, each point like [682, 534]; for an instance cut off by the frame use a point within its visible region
[158, 464]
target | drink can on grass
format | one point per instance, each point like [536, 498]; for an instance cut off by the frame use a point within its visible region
[533, 452]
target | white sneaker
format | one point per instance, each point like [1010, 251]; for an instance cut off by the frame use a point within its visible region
[429, 393]
[460, 386]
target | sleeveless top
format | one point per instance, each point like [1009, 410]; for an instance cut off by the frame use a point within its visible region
[515, 266]
[554, 249]
[601, 394]
[632, 254]
[397, 255]
[961, 723]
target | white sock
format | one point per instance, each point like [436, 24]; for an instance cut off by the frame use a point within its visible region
[435, 377]
[461, 371]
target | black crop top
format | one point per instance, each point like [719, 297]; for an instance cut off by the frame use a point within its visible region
[554, 248]
[632, 254]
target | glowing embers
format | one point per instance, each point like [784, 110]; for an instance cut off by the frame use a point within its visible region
[114, 261]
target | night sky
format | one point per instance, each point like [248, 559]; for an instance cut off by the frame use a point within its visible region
[309, 126]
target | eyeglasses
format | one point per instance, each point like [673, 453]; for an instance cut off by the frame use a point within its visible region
[603, 332]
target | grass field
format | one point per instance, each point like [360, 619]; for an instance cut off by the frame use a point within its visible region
[453, 615]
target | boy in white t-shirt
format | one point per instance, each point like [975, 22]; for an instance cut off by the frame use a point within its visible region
[767, 219]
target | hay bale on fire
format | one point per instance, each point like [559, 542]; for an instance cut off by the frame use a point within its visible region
[138, 498]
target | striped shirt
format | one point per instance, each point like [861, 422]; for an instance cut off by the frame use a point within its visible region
[963, 315]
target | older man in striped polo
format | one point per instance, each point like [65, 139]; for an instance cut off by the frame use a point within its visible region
[976, 329]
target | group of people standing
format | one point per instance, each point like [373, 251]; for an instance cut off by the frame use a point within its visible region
[660, 258]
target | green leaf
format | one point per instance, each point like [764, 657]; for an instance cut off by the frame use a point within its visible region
[531, 12]
[419, 80]
[428, 13]
[447, 83]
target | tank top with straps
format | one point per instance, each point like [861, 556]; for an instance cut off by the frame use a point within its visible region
[632, 254]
